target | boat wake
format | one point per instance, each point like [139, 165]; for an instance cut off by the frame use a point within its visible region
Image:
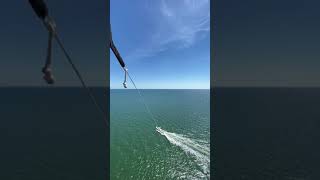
[195, 148]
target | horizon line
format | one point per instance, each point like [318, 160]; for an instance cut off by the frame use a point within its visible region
[225, 86]
[18, 86]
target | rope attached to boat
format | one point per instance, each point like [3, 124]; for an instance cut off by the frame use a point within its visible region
[143, 100]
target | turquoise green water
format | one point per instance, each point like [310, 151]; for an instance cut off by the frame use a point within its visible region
[178, 150]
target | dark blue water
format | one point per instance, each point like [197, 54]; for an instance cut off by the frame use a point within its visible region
[266, 133]
[51, 133]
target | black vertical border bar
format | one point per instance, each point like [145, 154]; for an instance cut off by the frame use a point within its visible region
[107, 88]
[212, 97]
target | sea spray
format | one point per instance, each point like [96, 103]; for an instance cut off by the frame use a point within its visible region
[193, 147]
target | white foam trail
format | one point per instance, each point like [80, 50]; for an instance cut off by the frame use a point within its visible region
[201, 153]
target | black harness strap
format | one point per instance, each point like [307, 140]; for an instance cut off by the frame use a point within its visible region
[40, 8]
[116, 52]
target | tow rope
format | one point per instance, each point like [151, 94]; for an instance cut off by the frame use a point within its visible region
[126, 73]
[143, 100]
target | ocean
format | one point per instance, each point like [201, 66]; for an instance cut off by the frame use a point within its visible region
[174, 146]
[57, 133]
[52, 133]
[266, 133]
[258, 133]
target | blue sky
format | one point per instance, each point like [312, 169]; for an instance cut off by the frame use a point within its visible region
[165, 43]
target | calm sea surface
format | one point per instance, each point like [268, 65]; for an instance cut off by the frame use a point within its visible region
[51, 133]
[260, 133]
[266, 133]
[179, 149]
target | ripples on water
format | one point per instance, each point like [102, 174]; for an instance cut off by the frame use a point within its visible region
[198, 149]
[177, 150]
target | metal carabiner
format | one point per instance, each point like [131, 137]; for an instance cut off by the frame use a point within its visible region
[125, 78]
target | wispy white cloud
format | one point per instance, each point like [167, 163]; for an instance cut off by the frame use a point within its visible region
[177, 24]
